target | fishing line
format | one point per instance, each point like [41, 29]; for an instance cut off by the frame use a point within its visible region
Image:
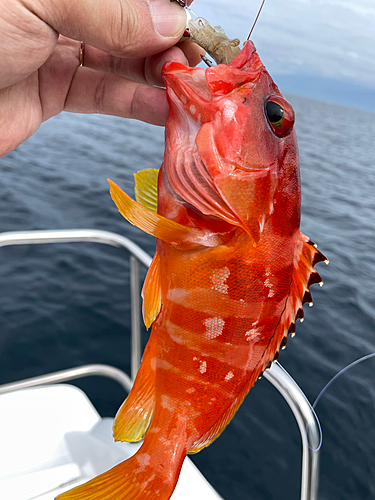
[328, 384]
[190, 11]
[256, 19]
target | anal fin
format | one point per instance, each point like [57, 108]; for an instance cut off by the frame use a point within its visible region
[135, 414]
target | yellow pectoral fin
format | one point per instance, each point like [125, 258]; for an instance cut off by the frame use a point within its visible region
[146, 188]
[152, 223]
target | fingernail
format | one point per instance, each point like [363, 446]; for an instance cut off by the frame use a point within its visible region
[168, 17]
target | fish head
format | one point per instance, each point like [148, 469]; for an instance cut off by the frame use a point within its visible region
[235, 119]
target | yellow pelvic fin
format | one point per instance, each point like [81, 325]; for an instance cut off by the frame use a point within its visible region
[146, 188]
[135, 414]
[151, 292]
[152, 223]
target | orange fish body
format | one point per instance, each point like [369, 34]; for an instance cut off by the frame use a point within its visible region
[230, 274]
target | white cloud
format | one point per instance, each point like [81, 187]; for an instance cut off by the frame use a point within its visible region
[329, 38]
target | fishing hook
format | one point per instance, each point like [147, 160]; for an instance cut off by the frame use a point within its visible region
[207, 61]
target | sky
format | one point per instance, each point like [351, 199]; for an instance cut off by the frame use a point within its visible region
[324, 49]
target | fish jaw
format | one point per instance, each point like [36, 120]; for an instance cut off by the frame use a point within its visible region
[218, 124]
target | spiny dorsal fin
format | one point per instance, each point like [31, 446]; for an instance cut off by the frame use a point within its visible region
[146, 188]
[304, 275]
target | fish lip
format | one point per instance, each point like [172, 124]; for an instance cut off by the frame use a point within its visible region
[185, 81]
[248, 168]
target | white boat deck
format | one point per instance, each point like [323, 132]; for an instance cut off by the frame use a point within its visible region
[52, 439]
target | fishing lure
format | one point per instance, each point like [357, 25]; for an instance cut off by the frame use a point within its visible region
[213, 40]
[231, 271]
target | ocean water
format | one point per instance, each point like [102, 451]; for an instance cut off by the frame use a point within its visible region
[67, 305]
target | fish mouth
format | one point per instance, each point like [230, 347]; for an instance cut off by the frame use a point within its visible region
[188, 84]
[198, 84]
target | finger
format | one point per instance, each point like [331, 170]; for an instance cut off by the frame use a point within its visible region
[146, 70]
[64, 85]
[125, 28]
[93, 91]
[192, 52]
[20, 113]
[154, 64]
[26, 42]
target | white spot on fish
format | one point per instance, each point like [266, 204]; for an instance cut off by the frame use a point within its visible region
[161, 363]
[143, 459]
[229, 376]
[193, 109]
[229, 110]
[166, 402]
[268, 283]
[203, 366]
[218, 279]
[145, 483]
[163, 440]
[191, 390]
[183, 98]
[214, 327]
[253, 333]
[154, 430]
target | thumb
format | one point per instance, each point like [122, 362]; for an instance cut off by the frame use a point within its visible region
[124, 28]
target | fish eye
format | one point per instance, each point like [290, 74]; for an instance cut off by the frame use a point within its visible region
[280, 115]
[275, 113]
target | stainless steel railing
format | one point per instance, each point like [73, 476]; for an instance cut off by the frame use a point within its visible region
[96, 236]
[305, 416]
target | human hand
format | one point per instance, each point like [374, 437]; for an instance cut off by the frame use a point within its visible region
[126, 44]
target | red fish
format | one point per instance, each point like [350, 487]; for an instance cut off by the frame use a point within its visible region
[230, 274]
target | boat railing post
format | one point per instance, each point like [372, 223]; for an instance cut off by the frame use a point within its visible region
[308, 424]
[135, 316]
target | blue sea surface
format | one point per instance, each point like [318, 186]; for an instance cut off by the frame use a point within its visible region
[67, 305]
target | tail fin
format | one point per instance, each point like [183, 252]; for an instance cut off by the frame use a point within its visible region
[140, 477]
